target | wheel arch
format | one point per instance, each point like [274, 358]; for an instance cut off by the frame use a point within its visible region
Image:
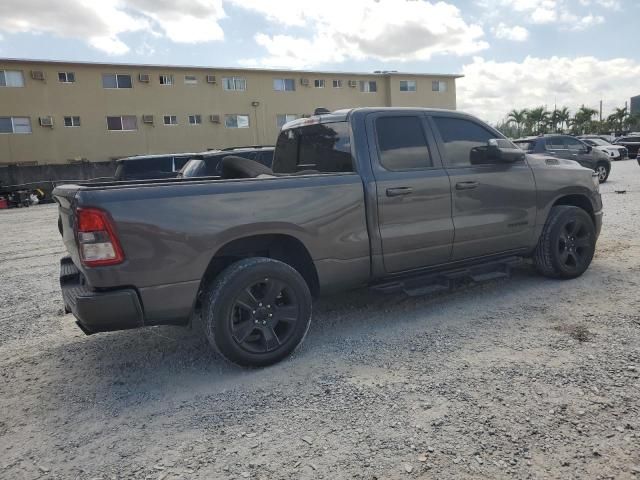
[283, 247]
[576, 200]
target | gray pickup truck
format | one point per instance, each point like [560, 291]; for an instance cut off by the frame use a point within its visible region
[394, 199]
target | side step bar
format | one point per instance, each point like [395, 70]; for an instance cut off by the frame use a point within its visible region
[445, 280]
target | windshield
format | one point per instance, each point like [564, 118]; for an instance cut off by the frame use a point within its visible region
[595, 141]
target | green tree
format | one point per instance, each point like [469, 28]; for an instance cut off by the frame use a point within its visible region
[563, 117]
[539, 119]
[583, 120]
[518, 117]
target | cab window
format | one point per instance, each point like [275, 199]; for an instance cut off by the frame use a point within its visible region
[318, 148]
[402, 144]
[465, 142]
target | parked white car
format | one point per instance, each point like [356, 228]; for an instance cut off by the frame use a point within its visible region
[615, 152]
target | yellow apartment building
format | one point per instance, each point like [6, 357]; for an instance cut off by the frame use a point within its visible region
[55, 112]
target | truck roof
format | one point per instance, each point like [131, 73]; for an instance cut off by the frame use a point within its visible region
[343, 115]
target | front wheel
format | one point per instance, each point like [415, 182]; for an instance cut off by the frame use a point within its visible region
[257, 311]
[602, 171]
[567, 243]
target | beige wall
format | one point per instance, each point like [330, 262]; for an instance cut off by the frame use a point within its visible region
[93, 103]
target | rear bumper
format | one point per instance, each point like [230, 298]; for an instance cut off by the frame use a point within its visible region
[102, 311]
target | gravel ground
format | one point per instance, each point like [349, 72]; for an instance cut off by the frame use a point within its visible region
[519, 378]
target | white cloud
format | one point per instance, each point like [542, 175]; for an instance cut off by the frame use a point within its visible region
[559, 12]
[338, 30]
[491, 89]
[515, 33]
[102, 23]
[186, 21]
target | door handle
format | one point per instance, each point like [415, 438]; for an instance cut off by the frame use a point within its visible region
[399, 191]
[466, 185]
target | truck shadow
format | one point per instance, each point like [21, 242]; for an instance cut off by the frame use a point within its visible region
[123, 369]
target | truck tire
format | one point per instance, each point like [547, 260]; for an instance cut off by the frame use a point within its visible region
[567, 243]
[257, 311]
[603, 172]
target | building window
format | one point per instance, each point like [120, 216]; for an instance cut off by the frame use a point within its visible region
[368, 86]
[236, 121]
[170, 120]
[125, 123]
[318, 83]
[195, 119]
[113, 80]
[337, 84]
[66, 77]
[439, 86]
[72, 121]
[166, 79]
[190, 80]
[15, 125]
[284, 84]
[407, 85]
[11, 78]
[238, 84]
[283, 118]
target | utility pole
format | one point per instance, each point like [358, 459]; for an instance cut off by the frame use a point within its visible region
[601, 111]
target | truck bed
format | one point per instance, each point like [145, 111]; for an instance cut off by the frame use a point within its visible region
[170, 233]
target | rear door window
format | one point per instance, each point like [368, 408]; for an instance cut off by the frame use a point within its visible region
[555, 143]
[402, 144]
[573, 144]
[319, 148]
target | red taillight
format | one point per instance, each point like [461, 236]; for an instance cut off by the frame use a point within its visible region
[97, 241]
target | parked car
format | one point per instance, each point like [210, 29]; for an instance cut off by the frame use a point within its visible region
[631, 142]
[569, 148]
[410, 200]
[147, 167]
[615, 152]
[209, 164]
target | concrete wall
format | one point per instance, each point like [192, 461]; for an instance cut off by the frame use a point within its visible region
[88, 99]
[46, 176]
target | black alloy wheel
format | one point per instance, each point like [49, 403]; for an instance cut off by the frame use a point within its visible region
[264, 315]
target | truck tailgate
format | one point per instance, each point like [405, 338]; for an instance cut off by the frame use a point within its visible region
[65, 197]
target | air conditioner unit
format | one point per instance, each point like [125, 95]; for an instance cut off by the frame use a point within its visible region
[304, 81]
[37, 74]
[147, 119]
[211, 79]
[46, 121]
[353, 83]
[144, 77]
[214, 118]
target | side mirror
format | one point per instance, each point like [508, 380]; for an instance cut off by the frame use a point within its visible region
[589, 148]
[503, 151]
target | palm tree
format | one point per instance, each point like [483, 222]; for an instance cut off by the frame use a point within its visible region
[582, 119]
[518, 117]
[554, 120]
[539, 118]
[618, 118]
[563, 117]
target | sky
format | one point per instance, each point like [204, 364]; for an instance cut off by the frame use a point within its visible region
[513, 53]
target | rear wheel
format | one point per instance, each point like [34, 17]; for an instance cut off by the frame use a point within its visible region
[257, 311]
[567, 244]
[603, 172]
